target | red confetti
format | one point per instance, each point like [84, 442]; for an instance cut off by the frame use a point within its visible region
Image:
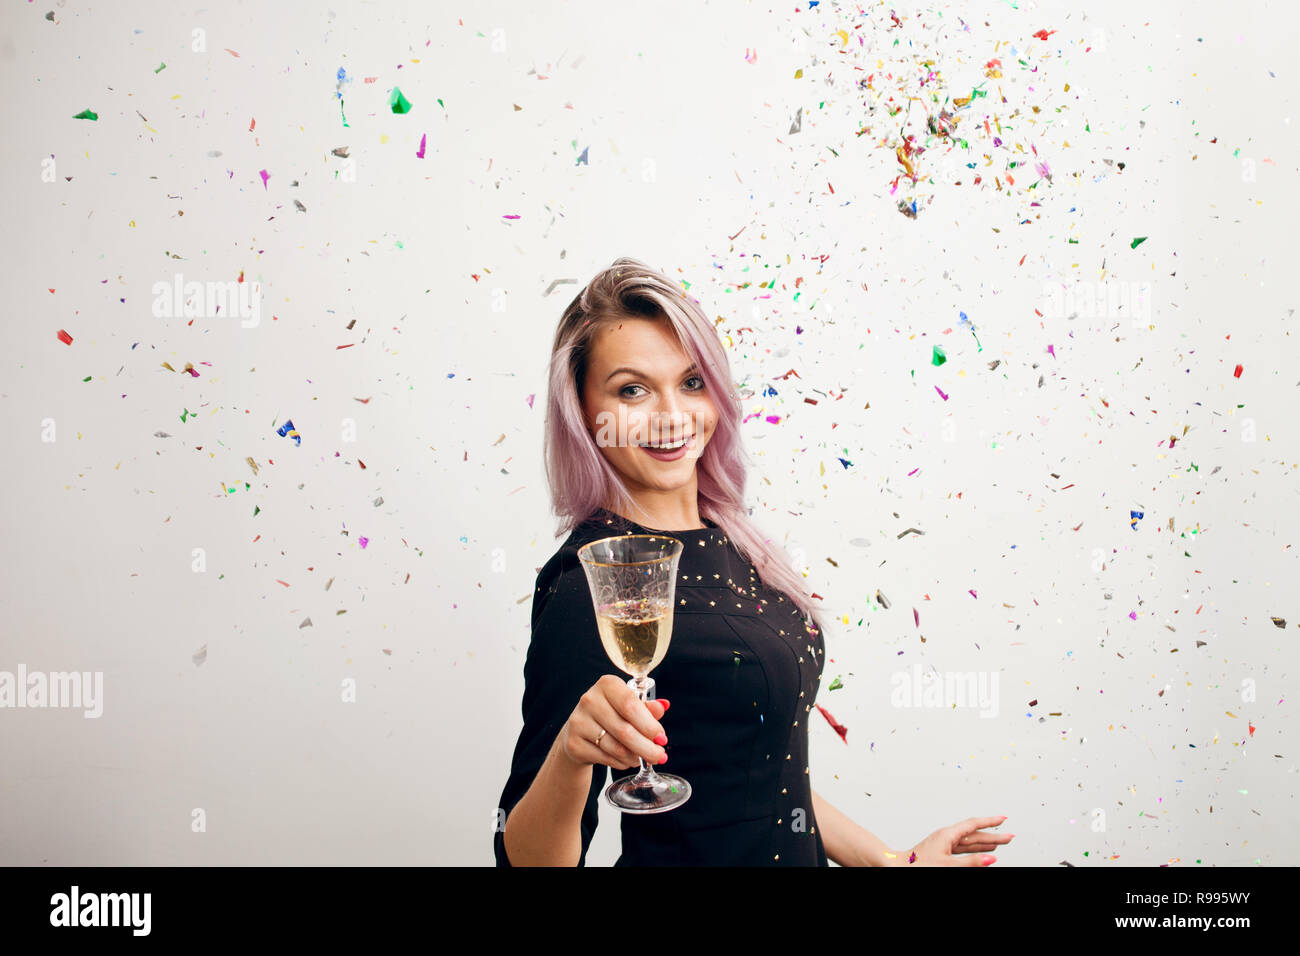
[839, 728]
[1237, 373]
[66, 339]
[1043, 34]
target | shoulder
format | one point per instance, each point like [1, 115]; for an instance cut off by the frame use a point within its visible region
[562, 580]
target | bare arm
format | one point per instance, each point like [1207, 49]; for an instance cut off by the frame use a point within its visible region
[847, 843]
[543, 828]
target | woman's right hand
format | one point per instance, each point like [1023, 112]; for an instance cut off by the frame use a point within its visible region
[631, 727]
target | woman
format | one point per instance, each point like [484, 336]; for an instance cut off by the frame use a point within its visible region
[635, 365]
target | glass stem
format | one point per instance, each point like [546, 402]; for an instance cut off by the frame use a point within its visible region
[642, 686]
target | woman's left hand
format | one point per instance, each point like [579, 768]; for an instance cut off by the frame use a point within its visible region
[941, 847]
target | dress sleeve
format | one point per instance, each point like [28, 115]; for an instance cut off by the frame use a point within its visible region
[565, 657]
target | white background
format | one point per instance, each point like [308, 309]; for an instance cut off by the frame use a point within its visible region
[1023, 479]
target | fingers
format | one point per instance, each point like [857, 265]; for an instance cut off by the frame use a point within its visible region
[981, 842]
[628, 720]
[584, 732]
[971, 824]
[625, 702]
[614, 754]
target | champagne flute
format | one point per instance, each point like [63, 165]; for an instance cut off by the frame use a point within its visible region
[633, 582]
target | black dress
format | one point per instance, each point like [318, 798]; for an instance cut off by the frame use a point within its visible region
[741, 674]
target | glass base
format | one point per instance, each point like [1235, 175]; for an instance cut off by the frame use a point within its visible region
[653, 793]
[647, 791]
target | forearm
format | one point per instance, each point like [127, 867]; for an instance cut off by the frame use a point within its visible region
[544, 828]
[847, 843]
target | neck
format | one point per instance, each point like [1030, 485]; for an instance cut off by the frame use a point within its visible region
[662, 516]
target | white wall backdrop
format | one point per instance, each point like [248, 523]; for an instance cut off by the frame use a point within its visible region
[230, 584]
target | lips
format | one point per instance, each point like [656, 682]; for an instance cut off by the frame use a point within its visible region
[669, 454]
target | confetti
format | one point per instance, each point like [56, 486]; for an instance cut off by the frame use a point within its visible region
[288, 430]
[399, 103]
[839, 728]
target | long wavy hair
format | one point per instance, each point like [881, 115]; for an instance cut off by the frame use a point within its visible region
[580, 478]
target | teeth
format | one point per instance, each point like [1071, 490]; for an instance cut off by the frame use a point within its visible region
[664, 447]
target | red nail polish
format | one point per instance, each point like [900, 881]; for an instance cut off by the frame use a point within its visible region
[661, 740]
[665, 759]
[664, 701]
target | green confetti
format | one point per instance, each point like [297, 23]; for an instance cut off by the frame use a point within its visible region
[398, 102]
[86, 379]
[87, 114]
[161, 67]
[938, 358]
[1137, 242]
[835, 684]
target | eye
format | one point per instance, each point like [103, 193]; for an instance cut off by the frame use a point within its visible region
[622, 392]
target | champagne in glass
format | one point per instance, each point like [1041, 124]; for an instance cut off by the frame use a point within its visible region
[635, 634]
[633, 585]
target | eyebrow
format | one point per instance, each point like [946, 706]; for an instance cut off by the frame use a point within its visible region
[694, 368]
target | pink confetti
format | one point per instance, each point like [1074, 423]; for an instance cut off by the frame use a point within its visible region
[265, 176]
[363, 541]
[941, 394]
[420, 152]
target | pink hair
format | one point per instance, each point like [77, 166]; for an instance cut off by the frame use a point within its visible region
[580, 478]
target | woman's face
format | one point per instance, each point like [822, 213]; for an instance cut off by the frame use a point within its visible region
[640, 388]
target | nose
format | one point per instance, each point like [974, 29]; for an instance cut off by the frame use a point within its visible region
[671, 416]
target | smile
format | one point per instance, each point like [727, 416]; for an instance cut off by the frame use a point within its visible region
[668, 451]
[668, 446]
